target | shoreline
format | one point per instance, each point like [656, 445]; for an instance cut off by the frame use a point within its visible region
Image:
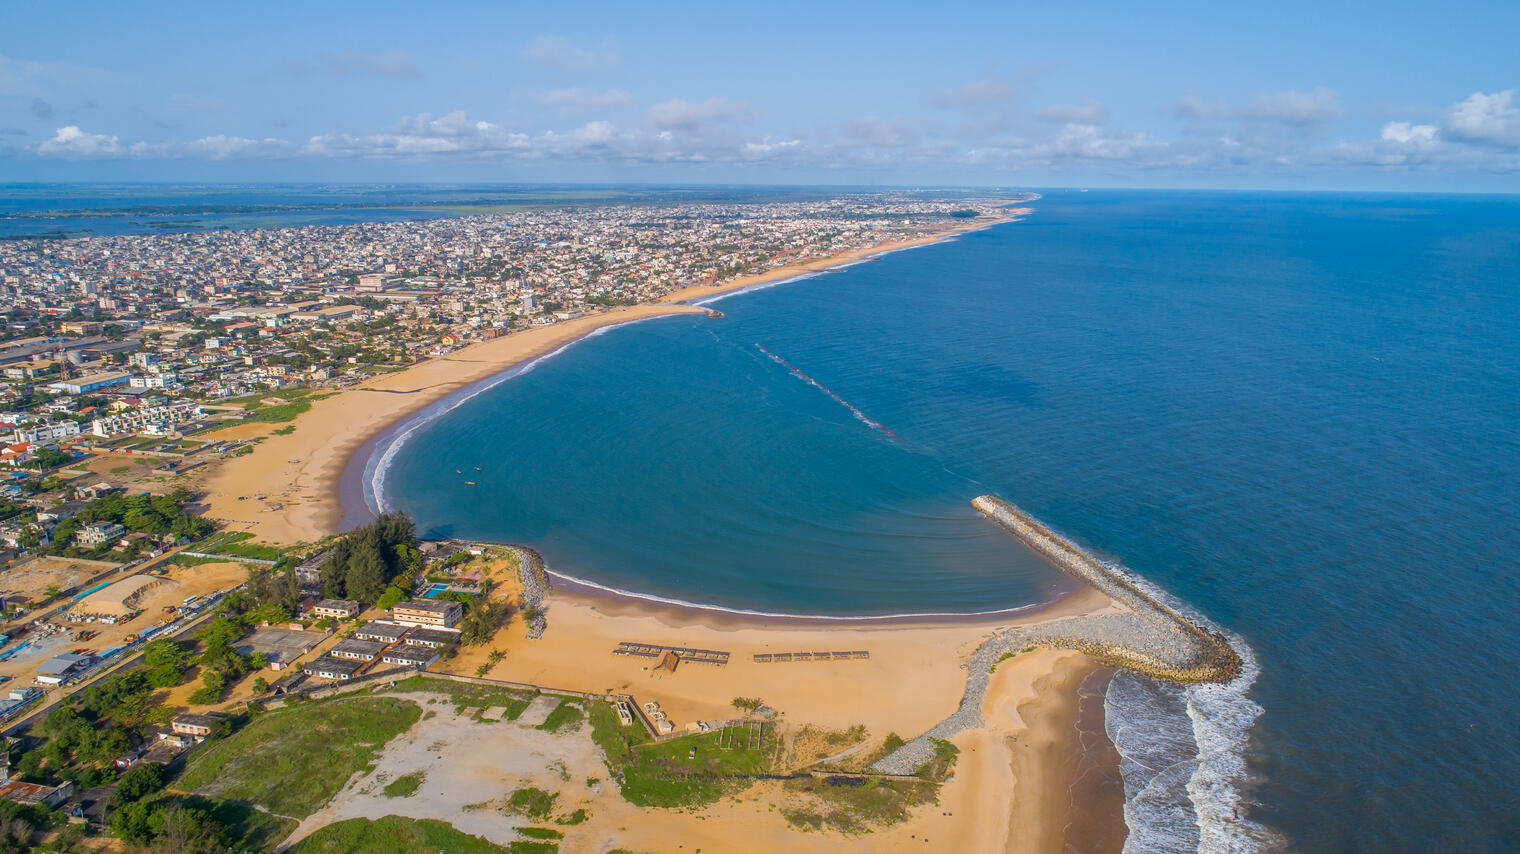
[303, 498]
[915, 676]
[1070, 598]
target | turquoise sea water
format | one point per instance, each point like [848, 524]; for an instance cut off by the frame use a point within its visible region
[1296, 413]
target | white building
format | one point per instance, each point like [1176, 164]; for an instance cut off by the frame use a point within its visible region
[158, 420]
[48, 432]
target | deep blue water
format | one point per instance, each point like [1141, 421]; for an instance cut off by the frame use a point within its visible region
[1298, 413]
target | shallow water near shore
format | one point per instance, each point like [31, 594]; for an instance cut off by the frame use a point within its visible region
[1295, 413]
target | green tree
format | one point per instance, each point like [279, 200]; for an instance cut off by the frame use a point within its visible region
[137, 783]
[130, 823]
[366, 578]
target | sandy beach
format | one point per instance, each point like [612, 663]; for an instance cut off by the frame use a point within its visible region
[1009, 791]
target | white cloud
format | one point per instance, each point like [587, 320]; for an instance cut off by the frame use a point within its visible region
[1089, 142]
[990, 88]
[679, 114]
[223, 147]
[1295, 108]
[560, 53]
[587, 99]
[1483, 118]
[1191, 106]
[595, 133]
[71, 142]
[1411, 135]
[452, 134]
[1087, 113]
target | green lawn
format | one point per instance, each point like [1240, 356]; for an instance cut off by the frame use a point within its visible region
[280, 412]
[292, 761]
[392, 834]
[236, 543]
[692, 771]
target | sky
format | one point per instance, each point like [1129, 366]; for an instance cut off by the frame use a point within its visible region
[1323, 95]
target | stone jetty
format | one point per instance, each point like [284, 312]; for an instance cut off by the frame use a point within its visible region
[535, 585]
[1144, 635]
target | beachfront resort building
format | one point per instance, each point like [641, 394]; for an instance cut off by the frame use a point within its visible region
[328, 667]
[338, 609]
[436, 613]
[381, 631]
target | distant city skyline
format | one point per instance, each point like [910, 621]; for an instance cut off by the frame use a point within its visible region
[1308, 96]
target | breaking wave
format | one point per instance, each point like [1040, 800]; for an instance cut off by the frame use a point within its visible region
[1182, 755]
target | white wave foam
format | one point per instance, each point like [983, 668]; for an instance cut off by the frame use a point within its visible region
[1148, 725]
[1212, 778]
[758, 287]
[1222, 717]
[841, 618]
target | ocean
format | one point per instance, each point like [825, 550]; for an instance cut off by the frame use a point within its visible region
[1297, 414]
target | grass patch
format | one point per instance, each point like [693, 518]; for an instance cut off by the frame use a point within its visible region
[280, 412]
[465, 694]
[235, 544]
[566, 714]
[938, 768]
[851, 805]
[540, 833]
[294, 760]
[392, 834]
[285, 431]
[536, 804]
[404, 786]
[691, 771]
[532, 847]
[577, 817]
[121, 469]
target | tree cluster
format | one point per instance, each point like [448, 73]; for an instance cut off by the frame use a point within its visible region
[367, 560]
[170, 829]
[148, 514]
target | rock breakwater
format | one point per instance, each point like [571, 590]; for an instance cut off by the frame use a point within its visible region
[1146, 636]
[535, 585]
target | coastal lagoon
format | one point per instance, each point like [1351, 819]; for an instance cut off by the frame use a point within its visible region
[1295, 413]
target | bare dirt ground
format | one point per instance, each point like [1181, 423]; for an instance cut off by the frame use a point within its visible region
[32, 578]
[469, 768]
[184, 582]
